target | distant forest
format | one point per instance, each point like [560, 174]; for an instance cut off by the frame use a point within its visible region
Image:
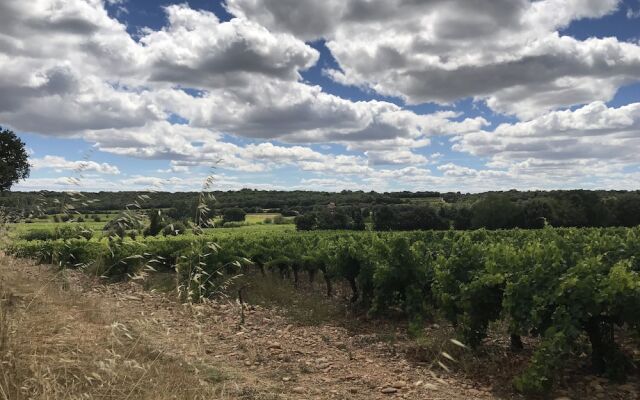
[383, 211]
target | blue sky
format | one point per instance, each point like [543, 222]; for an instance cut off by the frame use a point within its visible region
[360, 94]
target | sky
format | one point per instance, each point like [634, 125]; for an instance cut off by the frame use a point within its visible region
[385, 95]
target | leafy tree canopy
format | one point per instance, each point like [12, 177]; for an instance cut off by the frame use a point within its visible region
[14, 164]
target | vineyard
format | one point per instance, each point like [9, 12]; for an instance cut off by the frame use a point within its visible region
[565, 287]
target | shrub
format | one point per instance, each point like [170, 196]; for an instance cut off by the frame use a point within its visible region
[174, 229]
[38, 234]
[155, 223]
[233, 215]
[64, 232]
[306, 222]
[73, 232]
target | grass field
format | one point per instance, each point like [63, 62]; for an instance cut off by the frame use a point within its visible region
[252, 222]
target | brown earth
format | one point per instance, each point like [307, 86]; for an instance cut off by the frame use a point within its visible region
[66, 335]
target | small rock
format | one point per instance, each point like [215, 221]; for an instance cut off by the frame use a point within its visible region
[430, 386]
[399, 385]
[389, 390]
[627, 387]
[298, 389]
[474, 392]
[286, 379]
[596, 386]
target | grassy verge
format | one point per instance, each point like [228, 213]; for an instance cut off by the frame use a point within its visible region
[54, 344]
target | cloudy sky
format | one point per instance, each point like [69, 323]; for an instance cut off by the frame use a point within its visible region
[467, 95]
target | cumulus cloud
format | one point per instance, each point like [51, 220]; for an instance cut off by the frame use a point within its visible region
[62, 63]
[71, 70]
[440, 51]
[90, 79]
[299, 113]
[401, 157]
[59, 164]
[331, 184]
[196, 49]
[592, 141]
[594, 131]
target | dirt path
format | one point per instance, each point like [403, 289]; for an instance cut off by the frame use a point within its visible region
[79, 337]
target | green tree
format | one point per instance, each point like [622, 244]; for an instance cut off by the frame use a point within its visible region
[14, 164]
[495, 212]
[383, 218]
[306, 222]
[155, 223]
[233, 215]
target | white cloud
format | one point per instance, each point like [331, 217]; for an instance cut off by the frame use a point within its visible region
[300, 113]
[594, 132]
[70, 70]
[196, 49]
[507, 52]
[78, 73]
[400, 157]
[330, 184]
[59, 164]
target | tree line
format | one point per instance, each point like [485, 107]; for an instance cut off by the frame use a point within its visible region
[506, 210]
[382, 211]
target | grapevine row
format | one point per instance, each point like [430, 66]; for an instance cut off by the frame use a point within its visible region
[561, 285]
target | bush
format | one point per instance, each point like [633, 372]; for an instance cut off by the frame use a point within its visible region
[38, 234]
[174, 229]
[306, 222]
[122, 258]
[73, 232]
[155, 223]
[64, 232]
[233, 215]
